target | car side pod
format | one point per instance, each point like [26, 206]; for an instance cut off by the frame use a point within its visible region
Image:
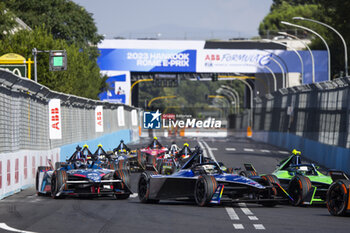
[338, 197]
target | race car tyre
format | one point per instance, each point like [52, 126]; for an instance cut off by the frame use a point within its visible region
[204, 189]
[337, 198]
[58, 179]
[40, 168]
[141, 160]
[298, 189]
[123, 165]
[124, 185]
[271, 180]
[144, 188]
[58, 165]
[112, 166]
[248, 173]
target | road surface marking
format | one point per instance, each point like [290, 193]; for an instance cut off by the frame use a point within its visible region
[205, 154]
[265, 151]
[246, 211]
[5, 227]
[238, 226]
[231, 149]
[283, 152]
[259, 226]
[213, 148]
[206, 146]
[248, 149]
[133, 195]
[253, 218]
[232, 213]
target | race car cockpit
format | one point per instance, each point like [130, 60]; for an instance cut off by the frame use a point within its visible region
[155, 144]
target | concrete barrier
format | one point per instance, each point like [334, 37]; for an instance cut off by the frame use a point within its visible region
[18, 169]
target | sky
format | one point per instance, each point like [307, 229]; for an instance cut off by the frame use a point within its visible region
[177, 19]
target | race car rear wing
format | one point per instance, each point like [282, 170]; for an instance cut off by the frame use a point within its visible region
[338, 175]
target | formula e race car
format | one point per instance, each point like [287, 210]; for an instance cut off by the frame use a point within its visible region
[83, 174]
[338, 194]
[206, 183]
[305, 184]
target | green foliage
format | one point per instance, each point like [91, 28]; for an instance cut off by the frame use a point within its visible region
[285, 12]
[82, 77]
[277, 3]
[6, 21]
[63, 18]
[334, 13]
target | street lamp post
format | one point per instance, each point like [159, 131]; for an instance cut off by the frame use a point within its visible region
[233, 92]
[273, 76]
[312, 31]
[341, 37]
[295, 51]
[282, 70]
[308, 48]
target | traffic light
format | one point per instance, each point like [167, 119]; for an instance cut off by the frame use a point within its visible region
[165, 80]
[58, 60]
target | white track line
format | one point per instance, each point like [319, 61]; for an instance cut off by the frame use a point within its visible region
[259, 226]
[248, 149]
[246, 211]
[253, 218]
[231, 149]
[133, 195]
[205, 154]
[214, 148]
[265, 151]
[283, 152]
[238, 226]
[232, 213]
[7, 228]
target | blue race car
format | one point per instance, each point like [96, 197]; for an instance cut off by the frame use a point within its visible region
[83, 173]
[203, 180]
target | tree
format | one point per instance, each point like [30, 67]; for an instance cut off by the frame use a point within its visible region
[7, 21]
[333, 13]
[63, 18]
[271, 24]
[82, 76]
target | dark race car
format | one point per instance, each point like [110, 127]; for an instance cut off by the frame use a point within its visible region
[83, 174]
[338, 196]
[205, 182]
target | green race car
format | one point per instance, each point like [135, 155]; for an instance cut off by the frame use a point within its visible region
[305, 185]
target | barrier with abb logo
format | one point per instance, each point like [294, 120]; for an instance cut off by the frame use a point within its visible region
[30, 111]
[18, 169]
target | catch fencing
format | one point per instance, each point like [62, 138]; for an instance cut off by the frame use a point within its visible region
[313, 118]
[24, 116]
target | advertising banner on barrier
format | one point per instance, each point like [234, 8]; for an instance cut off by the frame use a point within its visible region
[55, 119]
[237, 60]
[148, 60]
[119, 83]
[121, 118]
[99, 118]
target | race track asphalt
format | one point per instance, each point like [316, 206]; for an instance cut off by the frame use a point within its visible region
[28, 212]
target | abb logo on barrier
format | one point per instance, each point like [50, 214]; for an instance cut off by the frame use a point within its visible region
[99, 118]
[55, 119]
[212, 57]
